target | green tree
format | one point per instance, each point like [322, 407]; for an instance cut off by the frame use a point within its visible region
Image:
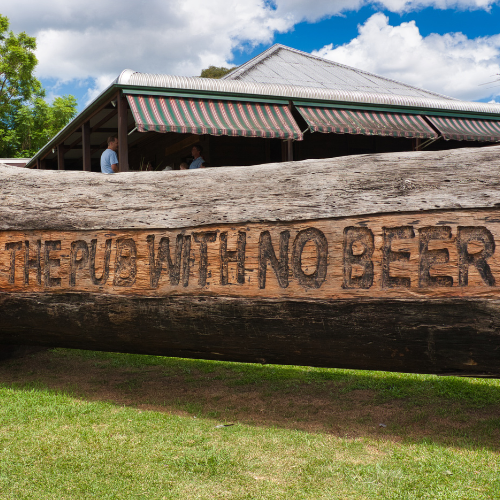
[27, 121]
[35, 124]
[215, 72]
[17, 63]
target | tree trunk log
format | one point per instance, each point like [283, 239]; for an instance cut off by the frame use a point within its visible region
[384, 262]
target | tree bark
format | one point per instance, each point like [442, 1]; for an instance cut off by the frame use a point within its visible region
[385, 262]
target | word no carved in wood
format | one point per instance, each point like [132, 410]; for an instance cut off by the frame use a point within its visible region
[443, 254]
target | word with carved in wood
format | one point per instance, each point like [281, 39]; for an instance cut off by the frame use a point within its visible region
[438, 255]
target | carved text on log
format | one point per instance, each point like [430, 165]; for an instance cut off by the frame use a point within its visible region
[443, 254]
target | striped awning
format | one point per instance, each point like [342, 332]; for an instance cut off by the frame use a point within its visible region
[214, 117]
[464, 129]
[348, 121]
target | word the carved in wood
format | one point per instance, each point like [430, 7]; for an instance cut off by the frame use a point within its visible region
[442, 255]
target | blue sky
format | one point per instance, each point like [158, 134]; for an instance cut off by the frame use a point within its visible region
[449, 46]
[341, 29]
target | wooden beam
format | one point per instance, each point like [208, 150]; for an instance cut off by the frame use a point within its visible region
[74, 143]
[179, 146]
[104, 130]
[38, 163]
[94, 147]
[87, 167]
[142, 138]
[60, 157]
[104, 106]
[122, 106]
[106, 119]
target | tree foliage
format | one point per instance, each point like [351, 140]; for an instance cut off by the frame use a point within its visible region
[215, 72]
[35, 124]
[27, 121]
[17, 63]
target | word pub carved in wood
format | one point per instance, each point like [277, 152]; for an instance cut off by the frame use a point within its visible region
[437, 255]
[380, 262]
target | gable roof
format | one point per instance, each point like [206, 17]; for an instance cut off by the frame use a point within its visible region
[286, 66]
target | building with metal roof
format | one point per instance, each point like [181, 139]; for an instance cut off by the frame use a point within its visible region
[283, 104]
[286, 66]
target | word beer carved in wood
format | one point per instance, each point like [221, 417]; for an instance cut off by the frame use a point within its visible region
[447, 254]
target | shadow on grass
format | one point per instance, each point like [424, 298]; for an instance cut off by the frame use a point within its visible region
[453, 411]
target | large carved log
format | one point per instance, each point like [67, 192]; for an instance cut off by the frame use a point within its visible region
[386, 262]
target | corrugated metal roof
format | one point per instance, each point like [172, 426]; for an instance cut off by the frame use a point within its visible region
[295, 92]
[286, 66]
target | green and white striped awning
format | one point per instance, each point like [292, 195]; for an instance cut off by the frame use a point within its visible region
[349, 121]
[465, 129]
[214, 117]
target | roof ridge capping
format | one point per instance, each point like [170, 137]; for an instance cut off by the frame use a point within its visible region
[249, 65]
[293, 92]
[124, 77]
[245, 67]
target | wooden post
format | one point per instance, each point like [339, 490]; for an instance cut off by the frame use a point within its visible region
[38, 163]
[122, 106]
[87, 167]
[289, 152]
[289, 146]
[60, 157]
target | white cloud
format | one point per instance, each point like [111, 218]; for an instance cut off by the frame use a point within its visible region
[94, 40]
[411, 5]
[100, 84]
[78, 40]
[302, 10]
[450, 64]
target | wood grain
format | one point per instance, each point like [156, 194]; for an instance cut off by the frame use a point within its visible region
[423, 255]
[386, 262]
[442, 336]
[282, 192]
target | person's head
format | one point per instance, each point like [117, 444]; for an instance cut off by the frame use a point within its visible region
[184, 166]
[196, 151]
[113, 143]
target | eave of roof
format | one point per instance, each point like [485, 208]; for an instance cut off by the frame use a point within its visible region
[209, 88]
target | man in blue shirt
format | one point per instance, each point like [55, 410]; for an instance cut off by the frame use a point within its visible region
[109, 159]
[198, 160]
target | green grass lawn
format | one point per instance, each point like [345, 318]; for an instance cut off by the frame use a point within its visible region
[78, 425]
